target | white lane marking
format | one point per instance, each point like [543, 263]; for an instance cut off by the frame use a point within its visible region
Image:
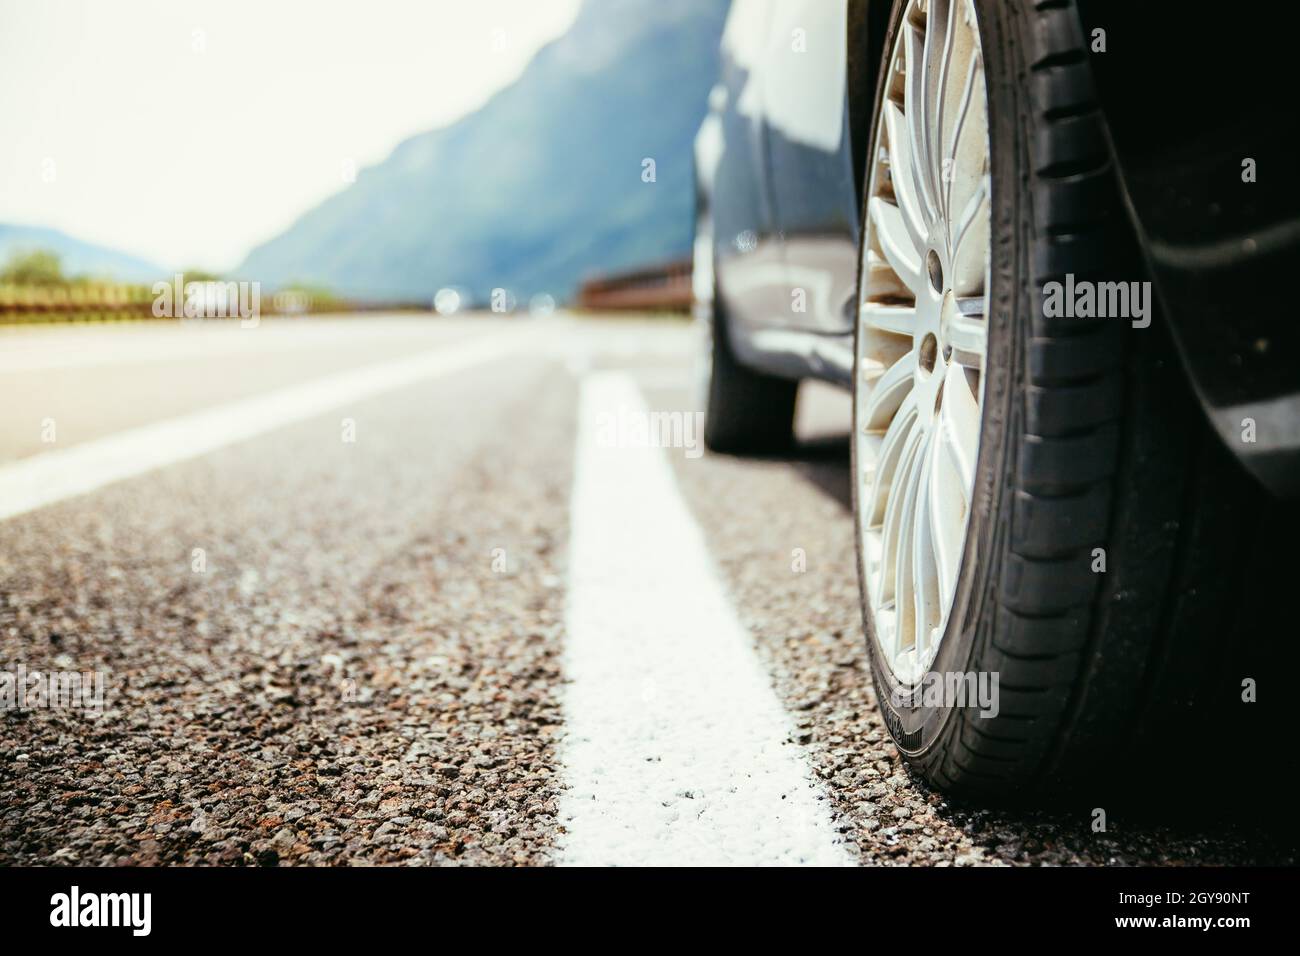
[39, 348]
[677, 750]
[32, 483]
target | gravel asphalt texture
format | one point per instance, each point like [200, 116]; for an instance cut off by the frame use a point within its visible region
[368, 669]
[349, 681]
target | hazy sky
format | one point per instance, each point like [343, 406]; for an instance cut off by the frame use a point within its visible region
[187, 131]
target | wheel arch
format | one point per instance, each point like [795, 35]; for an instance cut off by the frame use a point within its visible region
[867, 23]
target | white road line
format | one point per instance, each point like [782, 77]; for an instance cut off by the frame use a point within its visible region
[41, 348]
[677, 751]
[32, 483]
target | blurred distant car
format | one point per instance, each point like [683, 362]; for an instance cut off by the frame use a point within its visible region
[1038, 243]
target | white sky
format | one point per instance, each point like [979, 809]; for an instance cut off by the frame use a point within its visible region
[189, 148]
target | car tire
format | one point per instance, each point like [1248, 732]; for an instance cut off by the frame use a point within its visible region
[1105, 521]
[745, 412]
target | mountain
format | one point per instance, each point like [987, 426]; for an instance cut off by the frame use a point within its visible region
[540, 186]
[77, 256]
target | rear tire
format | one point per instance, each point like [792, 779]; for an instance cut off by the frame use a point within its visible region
[745, 412]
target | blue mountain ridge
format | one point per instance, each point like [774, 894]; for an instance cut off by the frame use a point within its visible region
[78, 257]
[539, 187]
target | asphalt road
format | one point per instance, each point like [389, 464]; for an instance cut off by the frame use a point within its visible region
[348, 609]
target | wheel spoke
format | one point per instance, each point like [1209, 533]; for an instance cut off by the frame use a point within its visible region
[974, 205]
[914, 108]
[896, 242]
[925, 581]
[887, 394]
[898, 319]
[902, 507]
[960, 421]
[968, 333]
[947, 504]
[963, 110]
[902, 174]
[940, 99]
[970, 242]
[888, 457]
[928, 97]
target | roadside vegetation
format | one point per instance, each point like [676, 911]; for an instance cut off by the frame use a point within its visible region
[34, 288]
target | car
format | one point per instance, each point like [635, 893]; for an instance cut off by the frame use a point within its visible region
[1044, 244]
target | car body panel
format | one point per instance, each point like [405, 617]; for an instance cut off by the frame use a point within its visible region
[810, 161]
[1222, 251]
[746, 252]
[784, 197]
[780, 190]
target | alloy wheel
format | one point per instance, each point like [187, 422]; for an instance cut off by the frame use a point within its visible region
[922, 330]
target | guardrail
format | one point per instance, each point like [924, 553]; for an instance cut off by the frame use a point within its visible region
[39, 301]
[94, 302]
[664, 287]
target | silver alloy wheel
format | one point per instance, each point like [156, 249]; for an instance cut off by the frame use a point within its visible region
[922, 329]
